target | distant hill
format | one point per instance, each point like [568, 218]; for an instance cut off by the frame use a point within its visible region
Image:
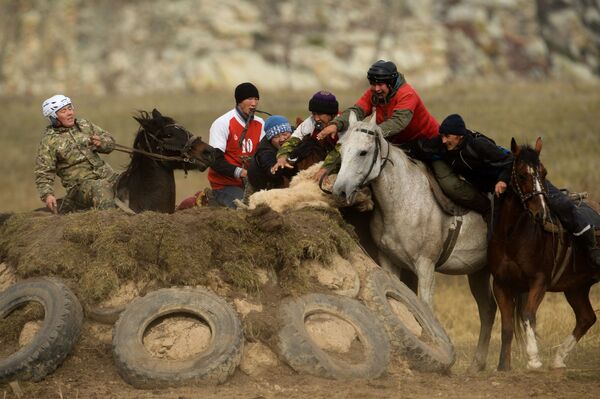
[134, 46]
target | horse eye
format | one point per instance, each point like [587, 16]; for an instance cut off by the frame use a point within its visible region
[363, 153]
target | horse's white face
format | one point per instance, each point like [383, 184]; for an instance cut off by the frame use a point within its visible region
[361, 158]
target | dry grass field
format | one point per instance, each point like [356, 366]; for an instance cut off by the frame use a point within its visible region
[564, 115]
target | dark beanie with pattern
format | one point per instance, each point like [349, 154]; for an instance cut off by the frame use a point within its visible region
[244, 91]
[323, 102]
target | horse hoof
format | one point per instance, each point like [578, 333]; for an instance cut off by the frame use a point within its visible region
[534, 365]
[558, 364]
[476, 368]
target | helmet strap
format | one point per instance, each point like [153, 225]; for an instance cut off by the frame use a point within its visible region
[54, 121]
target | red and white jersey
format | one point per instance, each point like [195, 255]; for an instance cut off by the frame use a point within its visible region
[225, 134]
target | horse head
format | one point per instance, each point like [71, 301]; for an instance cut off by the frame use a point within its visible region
[161, 135]
[361, 157]
[528, 179]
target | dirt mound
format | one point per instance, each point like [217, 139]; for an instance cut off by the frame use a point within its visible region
[99, 251]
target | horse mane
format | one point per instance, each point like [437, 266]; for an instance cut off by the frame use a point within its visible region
[149, 123]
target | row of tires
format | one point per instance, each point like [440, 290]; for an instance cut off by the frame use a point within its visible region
[380, 330]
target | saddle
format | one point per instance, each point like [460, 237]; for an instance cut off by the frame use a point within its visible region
[447, 205]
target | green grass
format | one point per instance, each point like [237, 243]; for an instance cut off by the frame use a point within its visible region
[565, 115]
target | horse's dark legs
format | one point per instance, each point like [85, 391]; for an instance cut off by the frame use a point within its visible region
[535, 295]
[584, 319]
[479, 283]
[505, 299]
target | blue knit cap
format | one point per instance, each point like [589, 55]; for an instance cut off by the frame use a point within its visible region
[275, 125]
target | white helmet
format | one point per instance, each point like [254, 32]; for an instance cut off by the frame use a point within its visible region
[53, 104]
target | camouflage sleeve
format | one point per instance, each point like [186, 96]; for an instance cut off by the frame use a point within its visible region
[106, 139]
[288, 147]
[397, 123]
[333, 159]
[45, 169]
[343, 120]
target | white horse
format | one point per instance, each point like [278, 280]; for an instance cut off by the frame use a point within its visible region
[408, 226]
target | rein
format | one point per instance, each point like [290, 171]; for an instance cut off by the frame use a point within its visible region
[184, 158]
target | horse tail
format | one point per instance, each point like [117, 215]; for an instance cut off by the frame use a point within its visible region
[519, 328]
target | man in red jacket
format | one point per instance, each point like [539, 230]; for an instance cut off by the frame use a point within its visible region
[401, 113]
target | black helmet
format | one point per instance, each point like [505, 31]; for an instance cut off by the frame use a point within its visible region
[383, 72]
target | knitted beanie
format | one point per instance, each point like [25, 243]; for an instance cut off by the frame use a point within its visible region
[276, 125]
[323, 102]
[244, 91]
[453, 124]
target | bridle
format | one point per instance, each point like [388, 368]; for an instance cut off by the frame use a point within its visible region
[375, 154]
[184, 157]
[524, 197]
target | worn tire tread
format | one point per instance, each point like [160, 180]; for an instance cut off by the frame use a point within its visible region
[216, 370]
[58, 335]
[435, 356]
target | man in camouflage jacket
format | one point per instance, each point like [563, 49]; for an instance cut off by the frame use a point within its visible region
[69, 149]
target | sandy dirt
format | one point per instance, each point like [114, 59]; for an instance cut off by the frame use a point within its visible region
[89, 373]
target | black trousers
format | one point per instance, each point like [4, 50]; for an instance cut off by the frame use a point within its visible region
[571, 217]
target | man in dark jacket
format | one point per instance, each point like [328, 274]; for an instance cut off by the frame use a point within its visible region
[277, 131]
[487, 167]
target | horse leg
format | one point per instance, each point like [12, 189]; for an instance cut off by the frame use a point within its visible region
[385, 262]
[534, 298]
[505, 299]
[407, 276]
[479, 283]
[584, 319]
[425, 273]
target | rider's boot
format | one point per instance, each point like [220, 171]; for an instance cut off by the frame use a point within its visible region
[588, 238]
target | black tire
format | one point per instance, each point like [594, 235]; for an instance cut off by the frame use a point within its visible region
[57, 336]
[433, 351]
[304, 355]
[108, 315]
[139, 368]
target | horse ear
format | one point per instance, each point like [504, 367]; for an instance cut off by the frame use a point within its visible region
[352, 119]
[514, 148]
[373, 120]
[156, 114]
[538, 145]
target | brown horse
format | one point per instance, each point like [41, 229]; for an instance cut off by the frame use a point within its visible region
[526, 260]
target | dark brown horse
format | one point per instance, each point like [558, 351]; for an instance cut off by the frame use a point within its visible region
[527, 260]
[160, 147]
